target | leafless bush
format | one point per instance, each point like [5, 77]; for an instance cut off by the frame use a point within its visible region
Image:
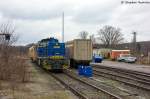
[12, 65]
[143, 60]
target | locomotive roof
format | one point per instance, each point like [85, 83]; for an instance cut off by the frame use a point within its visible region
[43, 40]
[47, 39]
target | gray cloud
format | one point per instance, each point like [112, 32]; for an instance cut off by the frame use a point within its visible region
[29, 12]
[37, 19]
[95, 14]
[88, 16]
[132, 18]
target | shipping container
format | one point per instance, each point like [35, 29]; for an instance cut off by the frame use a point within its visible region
[116, 53]
[79, 51]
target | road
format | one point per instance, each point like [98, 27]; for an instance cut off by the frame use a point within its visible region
[128, 66]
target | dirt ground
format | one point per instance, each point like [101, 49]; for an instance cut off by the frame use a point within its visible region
[40, 86]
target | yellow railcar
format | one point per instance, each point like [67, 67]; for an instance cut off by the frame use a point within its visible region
[33, 53]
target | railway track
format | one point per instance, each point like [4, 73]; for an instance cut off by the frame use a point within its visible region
[99, 90]
[86, 89]
[67, 85]
[124, 94]
[83, 89]
[137, 79]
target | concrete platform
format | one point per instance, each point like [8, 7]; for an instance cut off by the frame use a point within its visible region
[127, 66]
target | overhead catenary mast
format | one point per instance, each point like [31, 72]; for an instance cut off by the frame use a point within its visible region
[63, 27]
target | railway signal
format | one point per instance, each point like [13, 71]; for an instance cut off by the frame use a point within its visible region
[7, 36]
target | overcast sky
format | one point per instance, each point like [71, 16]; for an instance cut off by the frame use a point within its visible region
[37, 19]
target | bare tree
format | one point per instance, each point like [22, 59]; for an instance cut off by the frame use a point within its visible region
[110, 36]
[83, 34]
[93, 39]
[7, 34]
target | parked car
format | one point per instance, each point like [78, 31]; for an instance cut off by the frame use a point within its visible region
[97, 58]
[122, 57]
[130, 59]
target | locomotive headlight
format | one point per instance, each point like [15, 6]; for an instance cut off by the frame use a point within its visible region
[56, 47]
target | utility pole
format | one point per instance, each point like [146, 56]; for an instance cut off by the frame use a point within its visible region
[134, 37]
[63, 27]
[134, 42]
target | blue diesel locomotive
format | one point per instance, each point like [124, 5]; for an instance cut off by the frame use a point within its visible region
[50, 54]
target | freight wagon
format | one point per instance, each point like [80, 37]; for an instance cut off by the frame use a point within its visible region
[33, 53]
[79, 52]
[50, 54]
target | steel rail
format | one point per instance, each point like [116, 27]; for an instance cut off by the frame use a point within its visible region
[121, 69]
[113, 96]
[124, 74]
[123, 79]
[76, 92]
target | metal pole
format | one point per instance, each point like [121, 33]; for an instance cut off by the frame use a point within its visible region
[134, 37]
[63, 27]
[134, 42]
[148, 57]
